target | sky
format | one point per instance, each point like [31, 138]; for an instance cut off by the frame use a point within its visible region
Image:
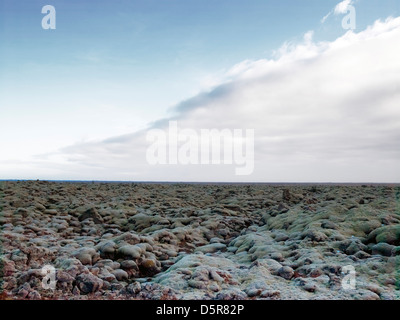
[78, 102]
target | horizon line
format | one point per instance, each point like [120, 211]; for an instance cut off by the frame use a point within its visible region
[199, 182]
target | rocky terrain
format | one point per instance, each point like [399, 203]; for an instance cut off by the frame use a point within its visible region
[198, 241]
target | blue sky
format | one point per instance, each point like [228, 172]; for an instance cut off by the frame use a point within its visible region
[112, 67]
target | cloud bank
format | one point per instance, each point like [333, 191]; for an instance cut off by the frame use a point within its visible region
[321, 112]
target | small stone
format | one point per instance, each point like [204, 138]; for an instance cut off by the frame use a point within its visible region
[23, 293]
[383, 249]
[362, 255]
[197, 284]
[129, 264]
[148, 267]
[52, 212]
[88, 283]
[34, 295]
[231, 294]
[254, 292]
[315, 273]
[134, 288]
[354, 247]
[214, 287]
[329, 225]
[211, 248]
[120, 274]
[310, 287]
[374, 288]
[130, 251]
[270, 294]
[86, 255]
[281, 237]
[76, 291]
[107, 276]
[63, 276]
[315, 235]
[40, 207]
[286, 272]
[117, 286]
[370, 296]
[277, 256]
[91, 213]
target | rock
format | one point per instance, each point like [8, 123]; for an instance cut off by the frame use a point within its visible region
[197, 284]
[315, 273]
[108, 264]
[387, 234]
[277, 256]
[329, 225]
[40, 206]
[107, 249]
[23, 293]
[314, 235]
[374, 288]
[383, 249]
[107, 277]
[211, 248]
[130, 252]
[370, 296]
[194, 260]
[286, 272]
[214, 287]
[270, 294]
[142, 221]
[282, 208]
[71, 265]
[271, 265]
[86, 255]
[88, 283]
[76, 291]
[387, 296]
[52, 212]
[117, 286]
[91, 213]
[129, 264]
[7, 267]
[120, 274]
[354, 247]
[231, 294]
[255, 288]
[396, 251]
[254, 292]
[288, 196]
[310, 287]
[63, 276]
[362, 255]
[133, 288]
[196, 241]
[148, 267]
[34, 295]
[323, 279]
[280, 236]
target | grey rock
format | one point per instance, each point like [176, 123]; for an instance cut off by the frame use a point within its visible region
[286, 272]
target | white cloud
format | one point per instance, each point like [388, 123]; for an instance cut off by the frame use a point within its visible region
[342, 7]
[325, 111]
[326, 17]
